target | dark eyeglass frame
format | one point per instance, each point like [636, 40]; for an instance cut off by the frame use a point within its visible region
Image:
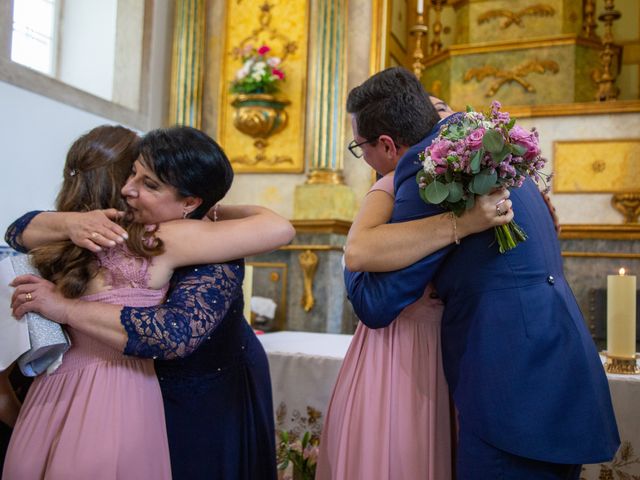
[352, 145]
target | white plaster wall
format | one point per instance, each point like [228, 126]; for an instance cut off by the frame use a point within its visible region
[584, 208]
[88, 38]
[35, 134]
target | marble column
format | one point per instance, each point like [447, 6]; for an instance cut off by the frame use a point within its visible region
[187, 65]
[324, 194]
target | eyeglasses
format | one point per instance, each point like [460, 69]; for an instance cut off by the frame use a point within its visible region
[355, 148]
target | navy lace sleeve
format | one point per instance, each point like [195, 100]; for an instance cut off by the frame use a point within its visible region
[199, 299]
[16, 228]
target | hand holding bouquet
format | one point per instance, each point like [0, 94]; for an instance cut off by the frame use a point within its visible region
[474, 155]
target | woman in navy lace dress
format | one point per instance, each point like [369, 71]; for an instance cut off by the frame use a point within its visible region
[213, 372]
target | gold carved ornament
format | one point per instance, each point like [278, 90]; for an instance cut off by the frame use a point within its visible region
[507, 76]
[261, 115]
[628, 204]
[515, 18]
[309, 264]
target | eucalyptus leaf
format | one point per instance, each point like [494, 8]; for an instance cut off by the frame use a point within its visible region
[448, 176]
[455, 192]
[436, 192]
[470, 202]
[511, 123]
[475, 161]
[518, 150]
[484, 182]
[500, 156]
[469, 109]
[492, 141]
[423, 195]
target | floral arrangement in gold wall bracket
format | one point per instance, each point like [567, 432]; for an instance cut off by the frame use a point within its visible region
[258, 102]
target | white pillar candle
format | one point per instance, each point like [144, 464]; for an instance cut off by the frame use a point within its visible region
[247, 291]
[420, 7]
[621, 315]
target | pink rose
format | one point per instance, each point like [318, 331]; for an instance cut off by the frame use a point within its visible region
[439, 151]
[278, 73]
[526, 139]
[263, 49]
[474, 140]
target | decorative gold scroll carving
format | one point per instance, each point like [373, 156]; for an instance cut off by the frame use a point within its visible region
[628, 204]
[507, 76]
[309, 263]
[515, 18]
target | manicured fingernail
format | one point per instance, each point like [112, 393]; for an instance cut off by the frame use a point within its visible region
[125, 236]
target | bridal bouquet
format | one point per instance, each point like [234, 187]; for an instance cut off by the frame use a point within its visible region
[474, 155]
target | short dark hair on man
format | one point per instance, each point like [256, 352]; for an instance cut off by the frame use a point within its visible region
[392, 102]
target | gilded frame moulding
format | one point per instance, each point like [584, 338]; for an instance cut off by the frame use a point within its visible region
[284, 151]
[596, 166]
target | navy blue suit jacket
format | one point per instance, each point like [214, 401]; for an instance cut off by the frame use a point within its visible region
[521, 365]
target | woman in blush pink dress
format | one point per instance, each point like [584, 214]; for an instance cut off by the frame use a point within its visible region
[100, 415]
[389, 415]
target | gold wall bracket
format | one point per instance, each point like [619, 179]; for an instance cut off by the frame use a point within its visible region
[309, 264]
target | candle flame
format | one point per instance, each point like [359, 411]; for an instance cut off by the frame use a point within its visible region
[621, 271]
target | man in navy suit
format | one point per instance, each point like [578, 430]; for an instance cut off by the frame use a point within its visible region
[531, 394]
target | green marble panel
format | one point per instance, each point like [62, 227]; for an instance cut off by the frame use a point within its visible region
[437, 79]
[587, 61]
[462, 25]
[572, 82]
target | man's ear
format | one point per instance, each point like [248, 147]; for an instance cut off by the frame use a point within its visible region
[389, 145]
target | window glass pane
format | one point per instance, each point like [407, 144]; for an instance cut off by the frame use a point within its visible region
[32, 41]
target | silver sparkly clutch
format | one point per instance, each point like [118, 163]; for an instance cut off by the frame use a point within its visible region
[48, 339]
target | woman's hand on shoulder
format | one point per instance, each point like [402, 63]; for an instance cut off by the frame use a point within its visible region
[488, 211]
[96, 229]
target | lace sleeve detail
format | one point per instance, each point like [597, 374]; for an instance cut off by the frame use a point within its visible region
[198, 301]
[16, 228]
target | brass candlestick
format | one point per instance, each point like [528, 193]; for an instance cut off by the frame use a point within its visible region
[621, 366]
[589, 23]
[606, 80]
[436, 43]
[419, 30]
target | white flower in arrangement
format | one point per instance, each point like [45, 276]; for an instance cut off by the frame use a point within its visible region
[273, 61]
[244, 71]
[257, 75]
[428, 166]
[260, 67]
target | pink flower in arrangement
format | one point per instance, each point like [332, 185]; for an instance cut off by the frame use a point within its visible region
[278, 73]
[439, 152]
[527, 139]
[263, 50]
[474, 140]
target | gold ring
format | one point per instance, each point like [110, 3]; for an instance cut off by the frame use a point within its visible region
[29, 296]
